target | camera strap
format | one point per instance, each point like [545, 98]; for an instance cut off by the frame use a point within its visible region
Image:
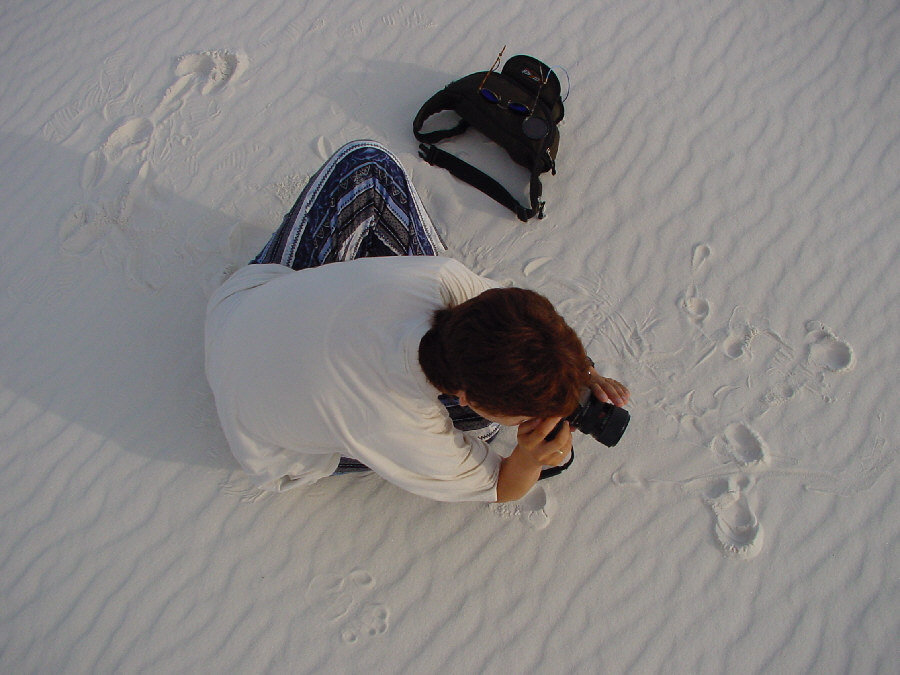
[556, 470]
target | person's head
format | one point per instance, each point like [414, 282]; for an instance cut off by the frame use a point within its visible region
[508, 353]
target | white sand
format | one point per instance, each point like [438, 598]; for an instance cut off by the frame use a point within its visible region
[723, 233]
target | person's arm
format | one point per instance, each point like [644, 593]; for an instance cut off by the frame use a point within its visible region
[521, 470]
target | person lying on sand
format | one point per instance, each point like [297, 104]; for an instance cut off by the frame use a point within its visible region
[394, 360]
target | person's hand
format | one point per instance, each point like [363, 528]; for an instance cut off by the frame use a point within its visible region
[608, 390]
[521, 470]
[533, 443]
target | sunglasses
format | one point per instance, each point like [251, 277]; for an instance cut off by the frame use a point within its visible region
[534, 128]
[512, 106]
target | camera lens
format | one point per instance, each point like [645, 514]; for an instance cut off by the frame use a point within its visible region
[603, 421]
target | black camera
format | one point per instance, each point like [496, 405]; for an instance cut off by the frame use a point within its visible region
[598, 419]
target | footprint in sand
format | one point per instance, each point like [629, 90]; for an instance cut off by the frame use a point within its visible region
[535, 509]
[743, 331]
[699, 256]
[131, 136]
[401, 17]
[826, 351]
[124, 215]
[741, 444]
[371, 622]
[289, 188]
[207, 71]
[62, 123]
[93, 169]
[134, 133]
[740, 334]
[340, 599]
[80, 230]
[213, 69]
[108, 89]
[696, 308]
[691, 303]
[737, 528]
[237, 160]
[781, 392]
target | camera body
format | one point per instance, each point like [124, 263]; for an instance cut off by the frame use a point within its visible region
[600, 420]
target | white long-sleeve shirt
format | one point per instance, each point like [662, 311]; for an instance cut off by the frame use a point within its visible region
[310, 365]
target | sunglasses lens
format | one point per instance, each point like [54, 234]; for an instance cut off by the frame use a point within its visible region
[519, 108]
[535, 128]
[489, 96]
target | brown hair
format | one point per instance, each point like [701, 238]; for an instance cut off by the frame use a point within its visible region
[510, 351]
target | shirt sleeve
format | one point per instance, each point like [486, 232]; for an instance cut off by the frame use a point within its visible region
[459, 283]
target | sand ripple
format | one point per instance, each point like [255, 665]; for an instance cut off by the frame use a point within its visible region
[721, 233]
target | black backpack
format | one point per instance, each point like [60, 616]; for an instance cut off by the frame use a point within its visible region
[518, 108]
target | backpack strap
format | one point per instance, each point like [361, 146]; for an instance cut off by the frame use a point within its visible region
[441, 101]
[447, 99]
[481, 181]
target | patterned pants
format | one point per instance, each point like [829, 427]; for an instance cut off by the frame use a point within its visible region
[362, 204]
